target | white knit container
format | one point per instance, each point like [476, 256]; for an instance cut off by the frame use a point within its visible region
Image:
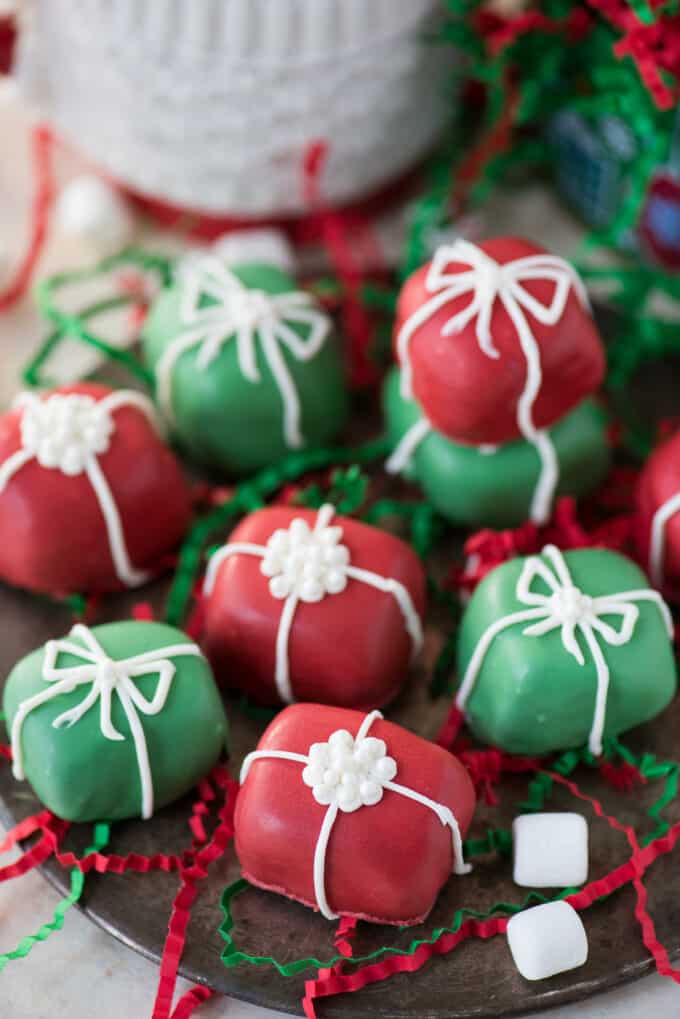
[212, 104]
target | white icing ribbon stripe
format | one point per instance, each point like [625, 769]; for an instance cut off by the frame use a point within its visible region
[567, 608]
[68, 432]
[306, 565]
[346, 774]
[235, 312]
[487, 281]
[105, 676]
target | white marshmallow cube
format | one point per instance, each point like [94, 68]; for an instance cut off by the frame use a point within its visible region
[550, 850]
[547, 940]
[265, 246]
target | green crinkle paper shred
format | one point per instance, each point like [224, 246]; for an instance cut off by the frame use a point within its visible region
[27, 944]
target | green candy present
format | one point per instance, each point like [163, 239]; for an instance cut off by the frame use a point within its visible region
[494, 486]
[561, 649]
[115, 721]
[246, 366]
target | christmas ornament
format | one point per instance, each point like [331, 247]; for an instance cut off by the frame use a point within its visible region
[329, 795]
[90, 497]
[115, 721]
[310, 606]
[556, 650]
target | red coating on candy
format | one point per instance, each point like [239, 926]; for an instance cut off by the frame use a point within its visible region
[351, 649]
[277, 822]
[53, 536]
[471, 397]
[660, 481]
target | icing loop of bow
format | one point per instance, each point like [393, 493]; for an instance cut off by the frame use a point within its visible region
[487, 281]
[567, 608]
[237, 312]
[105, 676]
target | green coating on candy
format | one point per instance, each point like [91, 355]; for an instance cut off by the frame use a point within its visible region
[531, 696]
[495, 489]
[226, 420]
[82, 776]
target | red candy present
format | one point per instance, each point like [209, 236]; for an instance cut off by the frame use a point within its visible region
[496, 341]
[658, 502]
[90, 497]
[352, 815]
[307, 606]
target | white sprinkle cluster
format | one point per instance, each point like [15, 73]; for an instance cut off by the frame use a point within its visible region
[64, 431]
[348, 773]
[306, 563]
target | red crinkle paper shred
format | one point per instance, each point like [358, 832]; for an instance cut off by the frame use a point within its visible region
[331, 982]
[190, 874]
[487, 549]
[192, 865]
[336, 229]
[655, 47]
[487, 766]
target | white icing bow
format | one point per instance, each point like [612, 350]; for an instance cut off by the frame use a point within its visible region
[306, 564]
[67, 433]
[486, 282]
[235, 312]
[105, 676]
[573, 612]
[346, 774]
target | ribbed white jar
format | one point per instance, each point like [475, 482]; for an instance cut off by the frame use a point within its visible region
[212, 104]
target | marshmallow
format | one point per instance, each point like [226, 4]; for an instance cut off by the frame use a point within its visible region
[550, 850]
[547, 940]
[93, 211]
[258, 245]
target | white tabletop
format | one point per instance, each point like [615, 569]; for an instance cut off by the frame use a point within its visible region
[60, 974]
